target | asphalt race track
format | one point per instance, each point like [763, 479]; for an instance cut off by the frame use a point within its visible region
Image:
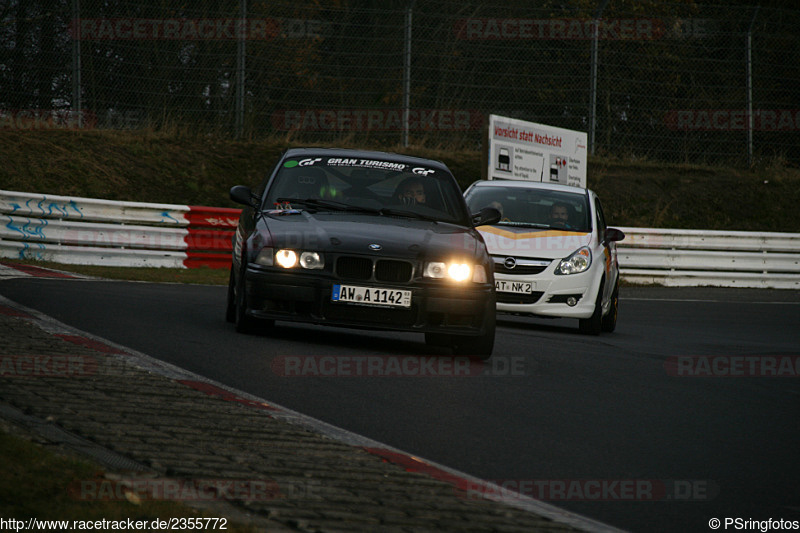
[577, 420]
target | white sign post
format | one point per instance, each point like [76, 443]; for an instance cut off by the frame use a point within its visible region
[520, 150]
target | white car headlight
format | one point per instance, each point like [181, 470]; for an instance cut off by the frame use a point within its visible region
[311, 260]
[578, 262]
[459, 271]
[435, 270]
[286, 258]
[291, 259]
[455, 271]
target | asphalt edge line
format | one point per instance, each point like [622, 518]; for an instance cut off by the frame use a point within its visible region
[458, 479]
[706, 301]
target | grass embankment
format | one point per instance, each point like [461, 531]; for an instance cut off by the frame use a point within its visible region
[186, 169]
[32, 475]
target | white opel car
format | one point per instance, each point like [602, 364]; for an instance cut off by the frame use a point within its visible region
[553, 254]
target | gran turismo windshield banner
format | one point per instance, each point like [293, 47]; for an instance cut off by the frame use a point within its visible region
[357, 163]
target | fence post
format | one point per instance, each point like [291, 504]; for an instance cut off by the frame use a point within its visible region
[593, 80]
[407, 73]
[750, 88]
[240, 68]
[76, 61]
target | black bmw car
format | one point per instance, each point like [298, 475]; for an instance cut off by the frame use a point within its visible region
[363, 239]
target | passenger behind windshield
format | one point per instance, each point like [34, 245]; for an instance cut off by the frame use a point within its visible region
[304, 183]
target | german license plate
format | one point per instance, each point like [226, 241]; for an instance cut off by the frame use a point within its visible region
[371, 296]
[517, 287]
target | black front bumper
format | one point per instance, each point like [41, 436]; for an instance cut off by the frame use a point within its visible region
[436, 307]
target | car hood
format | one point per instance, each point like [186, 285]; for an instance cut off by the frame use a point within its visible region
[356, 233]
[532, 243]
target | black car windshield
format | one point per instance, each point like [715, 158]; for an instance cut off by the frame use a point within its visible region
[369, 186]
[534, 207]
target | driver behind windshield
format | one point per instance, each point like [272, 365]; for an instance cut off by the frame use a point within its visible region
[411, 192]
[559, 215]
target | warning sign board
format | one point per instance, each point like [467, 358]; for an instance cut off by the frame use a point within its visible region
[521, 150]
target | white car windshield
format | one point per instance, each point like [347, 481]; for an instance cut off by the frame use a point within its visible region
[533, 207]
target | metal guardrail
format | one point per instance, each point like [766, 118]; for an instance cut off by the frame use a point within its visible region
[102, 232]
[676, 258]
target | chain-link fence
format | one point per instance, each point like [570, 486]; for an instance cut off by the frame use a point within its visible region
[676, 81]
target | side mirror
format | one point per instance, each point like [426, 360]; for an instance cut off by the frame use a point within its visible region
[614, 235]
[242, 194]
[486, 216]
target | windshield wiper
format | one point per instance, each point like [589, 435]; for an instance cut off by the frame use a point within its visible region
[328, 204]
[525, 224]
[408, 214]
[340, 206]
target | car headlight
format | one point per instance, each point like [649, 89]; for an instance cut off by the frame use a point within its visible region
[578, 262]
[290, 259]
[265, 257]
[286, 258]
[435, 270]
[311, 260]
[479, 274]
[455, 271]
[459, 271]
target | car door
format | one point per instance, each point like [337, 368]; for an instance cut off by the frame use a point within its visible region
[609, 251]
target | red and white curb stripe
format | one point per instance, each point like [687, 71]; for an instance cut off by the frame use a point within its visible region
[459, 480]
[14, 270]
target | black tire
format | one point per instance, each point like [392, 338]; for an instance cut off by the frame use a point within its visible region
[481, 346]
[230, 307]
[593, 324]
[609, 323]
[244, 322]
